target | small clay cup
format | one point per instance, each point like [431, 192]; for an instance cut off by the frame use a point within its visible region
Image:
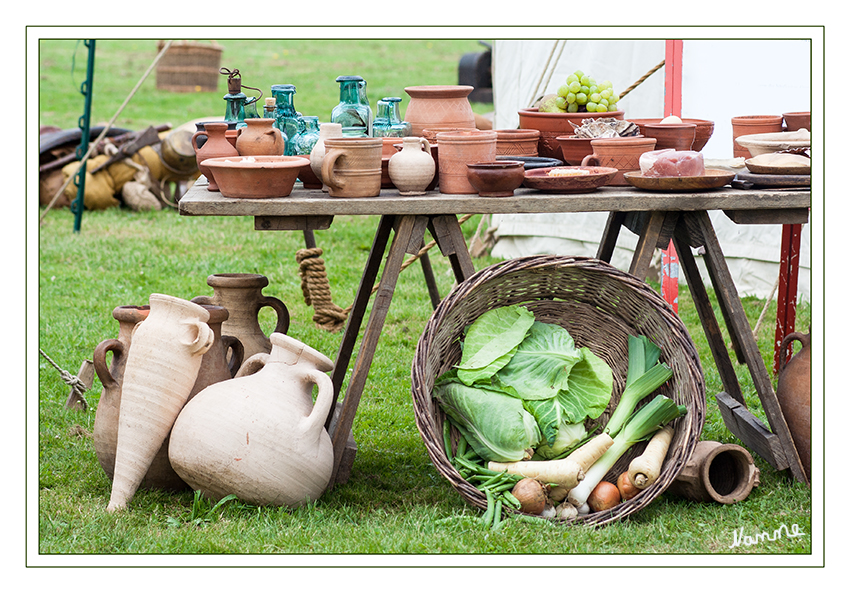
[496, 179]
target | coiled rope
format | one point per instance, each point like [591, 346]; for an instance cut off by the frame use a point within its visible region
[317, 291]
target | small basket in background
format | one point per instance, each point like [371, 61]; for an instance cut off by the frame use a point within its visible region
[600, 306]
[189, 67]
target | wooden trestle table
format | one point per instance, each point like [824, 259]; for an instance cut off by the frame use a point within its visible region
[656, 217]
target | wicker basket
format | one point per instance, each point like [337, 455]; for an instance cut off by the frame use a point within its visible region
[189, 67]
[600, 306]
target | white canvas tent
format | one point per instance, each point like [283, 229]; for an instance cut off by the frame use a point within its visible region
[719, 81]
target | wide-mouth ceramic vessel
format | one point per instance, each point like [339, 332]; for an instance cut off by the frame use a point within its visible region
[256, 176]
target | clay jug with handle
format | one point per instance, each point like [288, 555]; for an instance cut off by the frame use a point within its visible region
[412, 169]
[242, 296]
[794, 392]
[162, 366]
[260, 436]
[259, 137]
[216, 146]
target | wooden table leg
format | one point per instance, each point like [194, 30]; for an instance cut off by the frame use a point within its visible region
[739, 326]
[449, 237]
[608, 242]
[400, 245]
[646, 245]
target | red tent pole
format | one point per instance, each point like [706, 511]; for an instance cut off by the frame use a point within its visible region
[672, 106]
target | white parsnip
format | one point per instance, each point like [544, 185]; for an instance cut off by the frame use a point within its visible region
[645, 469]
[567, 472]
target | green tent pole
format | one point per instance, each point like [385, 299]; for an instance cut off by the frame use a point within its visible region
[77, 206]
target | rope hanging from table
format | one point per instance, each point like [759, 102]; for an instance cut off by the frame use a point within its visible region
[317, 291]
[75, 383]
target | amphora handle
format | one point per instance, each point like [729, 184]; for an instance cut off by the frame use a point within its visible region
[280, 308]
[99, 360]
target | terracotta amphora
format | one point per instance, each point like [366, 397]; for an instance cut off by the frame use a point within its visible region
[259, 137]
[457, 150]
[162, 366]
[259, 436]
[215, 146]
[242, 296]
[794, 392]
[412, 169]
[214, 367]
[111, 375]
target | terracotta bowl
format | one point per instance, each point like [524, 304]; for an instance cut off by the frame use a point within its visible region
[496, 179]
[766, 143]
[797, 119]
[552, 125]
[705, 128]
[517, 142]
[308, 177]
[256, 177]
[574, 149]
[676, 136]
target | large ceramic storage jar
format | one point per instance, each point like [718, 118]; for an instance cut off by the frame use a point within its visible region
[260, 436]
[457, 150]
[444, 106]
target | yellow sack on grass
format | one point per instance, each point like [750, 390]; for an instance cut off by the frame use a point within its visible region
[100, 188]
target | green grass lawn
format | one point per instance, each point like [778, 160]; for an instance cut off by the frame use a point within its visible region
[395, 502]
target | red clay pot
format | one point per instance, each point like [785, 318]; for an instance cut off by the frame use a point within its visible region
[215, 146]
[744, 125]
[675, 136]
[705, 128]
[552, 125]
[438, 106]
[574, 149]
[517, 142]
[497, 179]
[457, 150]
[797, 120]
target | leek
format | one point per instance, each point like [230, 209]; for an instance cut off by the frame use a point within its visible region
[644, 375]
[641, 426]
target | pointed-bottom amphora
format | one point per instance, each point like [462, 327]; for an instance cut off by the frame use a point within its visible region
[162, 366]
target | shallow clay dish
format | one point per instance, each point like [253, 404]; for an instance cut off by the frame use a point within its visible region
[773, 164]
[595, 178]
[712, 179]
[256, 177]
[774, 142]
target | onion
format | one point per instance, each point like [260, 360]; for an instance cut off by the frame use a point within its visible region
[531, 496]
[627, 490]
[603, 497]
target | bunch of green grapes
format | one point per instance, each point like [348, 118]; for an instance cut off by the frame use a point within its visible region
[581, 92]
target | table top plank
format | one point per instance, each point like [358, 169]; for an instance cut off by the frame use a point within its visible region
[198, 201]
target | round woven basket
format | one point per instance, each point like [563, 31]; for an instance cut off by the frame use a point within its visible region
[600, 306]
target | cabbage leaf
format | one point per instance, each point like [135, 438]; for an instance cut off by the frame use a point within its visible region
[491, 341]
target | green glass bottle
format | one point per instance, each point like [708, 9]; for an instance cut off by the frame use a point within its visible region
[352, 111]
[285, 115]
[388, 122]
[308, 135]
[235, 99]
